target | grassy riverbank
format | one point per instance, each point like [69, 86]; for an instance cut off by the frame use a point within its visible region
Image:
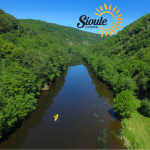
[140, 127]
[137, 130]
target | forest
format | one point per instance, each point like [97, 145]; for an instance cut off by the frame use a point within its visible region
[123, 61]
[32, 52]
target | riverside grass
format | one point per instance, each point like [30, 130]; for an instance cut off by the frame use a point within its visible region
[140, 127]
[136, 129]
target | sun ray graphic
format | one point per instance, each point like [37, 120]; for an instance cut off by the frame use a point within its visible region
[116, 19]
[110, 7]
[101, 8]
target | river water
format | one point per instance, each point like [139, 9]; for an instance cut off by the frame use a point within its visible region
[86, 120]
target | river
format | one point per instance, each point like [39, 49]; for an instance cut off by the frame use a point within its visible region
[86, 120]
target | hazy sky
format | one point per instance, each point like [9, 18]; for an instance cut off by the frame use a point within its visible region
[67, 12]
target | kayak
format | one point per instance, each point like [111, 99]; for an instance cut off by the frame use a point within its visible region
[56, 117]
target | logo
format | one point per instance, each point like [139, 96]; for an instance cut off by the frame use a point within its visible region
[93, 23]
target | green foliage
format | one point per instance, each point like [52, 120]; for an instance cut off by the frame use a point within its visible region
[7, 49]
[32, 52]
[7, 23]
[124, 104]
[17, 96]
[145, 107]
[65, 34]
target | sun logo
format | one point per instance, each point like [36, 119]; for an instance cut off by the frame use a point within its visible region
[114, 22]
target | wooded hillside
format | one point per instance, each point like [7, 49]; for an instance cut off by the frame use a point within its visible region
[123, 61]
[31, 53]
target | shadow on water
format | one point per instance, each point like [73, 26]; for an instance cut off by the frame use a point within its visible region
[111, 112]
[86, 114]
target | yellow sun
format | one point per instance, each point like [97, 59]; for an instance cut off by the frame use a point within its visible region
[115, 21]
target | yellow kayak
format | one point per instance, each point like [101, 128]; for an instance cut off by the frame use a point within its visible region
[56, 117]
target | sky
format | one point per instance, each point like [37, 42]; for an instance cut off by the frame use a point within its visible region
[68, 12]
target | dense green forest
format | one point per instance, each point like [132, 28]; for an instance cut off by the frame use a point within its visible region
[73, 39]
[123, 61]
[32, 52]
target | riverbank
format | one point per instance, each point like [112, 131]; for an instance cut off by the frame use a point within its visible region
[136, 129]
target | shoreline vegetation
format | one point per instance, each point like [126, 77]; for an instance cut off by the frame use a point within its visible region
[123, 61]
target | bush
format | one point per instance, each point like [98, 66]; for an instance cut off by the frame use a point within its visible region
[124, 104]
[145, 107]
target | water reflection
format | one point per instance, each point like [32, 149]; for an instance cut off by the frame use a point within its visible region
[114, 129]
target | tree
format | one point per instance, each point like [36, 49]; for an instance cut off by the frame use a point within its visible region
[124, 104]
[7, 49]
[145, 107]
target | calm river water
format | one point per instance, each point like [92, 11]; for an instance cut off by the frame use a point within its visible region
[86, 120]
